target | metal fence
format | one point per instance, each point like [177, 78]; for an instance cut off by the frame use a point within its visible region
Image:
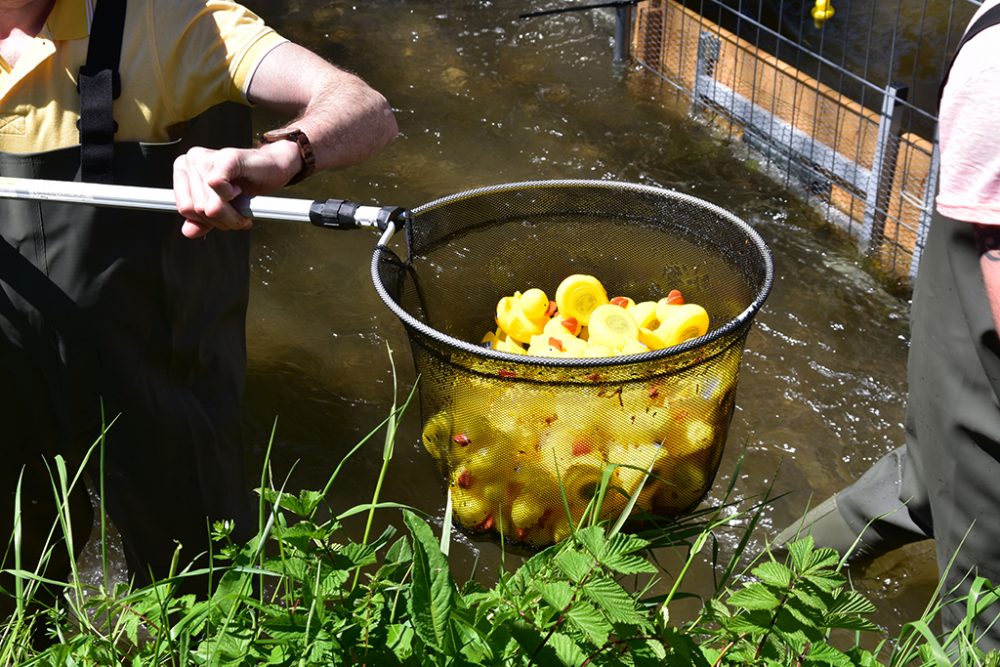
[843, 111]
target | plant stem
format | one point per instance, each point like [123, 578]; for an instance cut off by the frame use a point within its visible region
[390, 438]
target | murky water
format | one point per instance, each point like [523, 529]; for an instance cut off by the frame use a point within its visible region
[484, 98]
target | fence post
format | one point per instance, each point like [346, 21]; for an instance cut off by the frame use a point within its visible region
[926, 213]
[883, 167]
[623, 24]
[708, 56]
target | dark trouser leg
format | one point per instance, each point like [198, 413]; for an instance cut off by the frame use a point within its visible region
[953, 414]
[884, 506]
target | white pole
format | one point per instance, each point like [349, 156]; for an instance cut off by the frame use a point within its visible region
[149, 199]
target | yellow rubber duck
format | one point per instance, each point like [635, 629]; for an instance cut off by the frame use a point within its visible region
[612, 326]
[523, 315]
[500, 341]
[822, 12]
[578, 295]
[528, 508]
[683, 485]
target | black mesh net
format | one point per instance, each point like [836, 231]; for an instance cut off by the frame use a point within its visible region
[530, 444]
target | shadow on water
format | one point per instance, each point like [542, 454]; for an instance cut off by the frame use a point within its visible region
[483, 98]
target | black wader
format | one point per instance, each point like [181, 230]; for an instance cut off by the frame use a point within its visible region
[116, 309]
[948, 472]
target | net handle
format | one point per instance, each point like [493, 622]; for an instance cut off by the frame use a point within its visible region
[329, 213]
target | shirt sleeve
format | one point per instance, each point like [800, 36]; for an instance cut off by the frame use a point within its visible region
[969, 134]
[207, 52]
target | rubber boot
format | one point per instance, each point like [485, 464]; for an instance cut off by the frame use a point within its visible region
[828, 528]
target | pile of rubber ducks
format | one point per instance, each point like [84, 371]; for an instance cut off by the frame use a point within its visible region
[525, 461]
[583, 322]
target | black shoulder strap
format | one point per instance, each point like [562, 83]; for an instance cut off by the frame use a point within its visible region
[990, 17]
[99, 85]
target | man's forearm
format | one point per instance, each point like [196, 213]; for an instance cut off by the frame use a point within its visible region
[345, 119]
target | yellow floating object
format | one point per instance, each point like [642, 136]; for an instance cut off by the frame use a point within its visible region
[822, 12]
[535, 304]
[578, 295]
[700, 435]
[625, 302]
[682, 323]
[519, 318]
[663, 308]
[633, 346]
[637, 460]
[511, 346]
[501, 342]
[612, 326]
[559, 325]
[528, 509]
[493, 338]
[685, 484]
[472, 509]
[436, 436]
[557, 345]
[644, 314]
[651, 339]
[594, 350]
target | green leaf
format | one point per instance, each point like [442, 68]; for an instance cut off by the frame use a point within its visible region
[475, 646]
[821, 559]
[821, 653]
[646, 652]
[682, 650]
[300, 535]
[747, 623]
[358, 555]
[557, 594]
[330, 582]
[530, 640]
[587, 619]
[852, 602]
[808, 597]
[754, 596]
[574, 564]
[850, 623]
[399, 639]
[624, 554]
[432, 592]
[824, 580]
[773, 574]
[616, 602]
[567, 650]
[799, 551]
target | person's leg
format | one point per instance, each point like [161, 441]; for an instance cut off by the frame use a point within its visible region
[874, 515]
[955, 406]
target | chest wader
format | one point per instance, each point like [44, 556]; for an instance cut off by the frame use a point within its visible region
[102, 305]
[948, 472]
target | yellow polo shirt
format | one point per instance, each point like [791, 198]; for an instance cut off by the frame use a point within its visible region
[179, 58]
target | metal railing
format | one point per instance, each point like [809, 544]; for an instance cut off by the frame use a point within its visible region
[844, 112]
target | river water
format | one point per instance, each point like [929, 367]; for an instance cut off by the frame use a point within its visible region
[485, 98]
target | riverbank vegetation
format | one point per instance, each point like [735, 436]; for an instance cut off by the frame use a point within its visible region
[302, 592]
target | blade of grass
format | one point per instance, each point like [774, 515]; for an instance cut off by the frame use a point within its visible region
[446, 525]
[395, 416]
[630, 505]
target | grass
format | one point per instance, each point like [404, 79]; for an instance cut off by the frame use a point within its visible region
[302, 592]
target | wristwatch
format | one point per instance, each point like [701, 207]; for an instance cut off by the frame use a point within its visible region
[305, 149]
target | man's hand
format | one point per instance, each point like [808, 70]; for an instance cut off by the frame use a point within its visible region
[346, 122]
[206, 182]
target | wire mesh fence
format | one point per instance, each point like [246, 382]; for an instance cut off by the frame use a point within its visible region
[842, 110]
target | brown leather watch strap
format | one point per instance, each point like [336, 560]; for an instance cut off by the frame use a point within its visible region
[305, 149]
